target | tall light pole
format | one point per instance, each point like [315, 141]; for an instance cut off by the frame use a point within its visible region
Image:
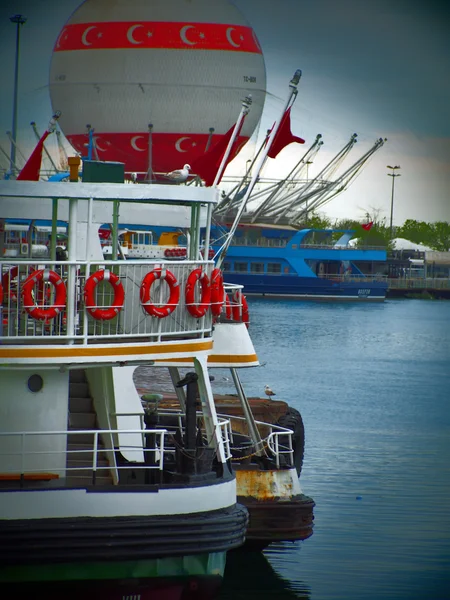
[393, 175]
[18, 20]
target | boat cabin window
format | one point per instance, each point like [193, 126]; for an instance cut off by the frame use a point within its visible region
[274, 268]
[257, 267]
[240, 267]
[226, 266]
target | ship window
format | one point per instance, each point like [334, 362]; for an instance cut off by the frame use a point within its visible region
[226, 266]
[274, 268]
[257, 267]
[35, 383]
[240, 267]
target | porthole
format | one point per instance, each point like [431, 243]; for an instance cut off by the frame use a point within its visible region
[35, 383]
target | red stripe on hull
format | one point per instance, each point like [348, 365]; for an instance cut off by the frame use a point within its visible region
[169, 150]
[157, 34]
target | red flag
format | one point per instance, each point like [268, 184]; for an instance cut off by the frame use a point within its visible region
[208, 164]
[30, 171]
[367, 226]
[283, 136]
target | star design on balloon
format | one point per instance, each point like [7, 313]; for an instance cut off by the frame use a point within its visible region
[149, 34]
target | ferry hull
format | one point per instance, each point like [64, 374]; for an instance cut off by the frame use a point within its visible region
[310, 288]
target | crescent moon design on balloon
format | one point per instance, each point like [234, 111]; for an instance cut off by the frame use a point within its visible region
[230, 39]
[60, 37]
[130, 34]
[84, 36]
[97, 145]
[179, 142]
[134, 145]
[183, 36]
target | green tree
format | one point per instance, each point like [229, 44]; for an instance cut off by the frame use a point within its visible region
[435, 235]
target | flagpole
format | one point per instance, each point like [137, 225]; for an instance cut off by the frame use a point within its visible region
[293, 84]
[244, 111]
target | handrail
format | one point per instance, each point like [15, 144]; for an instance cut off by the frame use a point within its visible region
[272, 441]
[159, 449]
[74, 323]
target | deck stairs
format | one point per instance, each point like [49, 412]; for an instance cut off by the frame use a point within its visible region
[82, 416]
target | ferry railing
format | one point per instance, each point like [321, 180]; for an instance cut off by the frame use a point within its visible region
[34, 463]
[353, 277]
[73, 322]
[222, 432]
[274, 438]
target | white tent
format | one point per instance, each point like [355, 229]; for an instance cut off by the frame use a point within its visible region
[402, 244]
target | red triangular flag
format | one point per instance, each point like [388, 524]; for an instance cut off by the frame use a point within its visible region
[283, 137]
[30, 171]
[208, 164]
[367, 226]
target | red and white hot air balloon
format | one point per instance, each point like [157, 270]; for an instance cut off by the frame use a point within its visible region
[182, 66]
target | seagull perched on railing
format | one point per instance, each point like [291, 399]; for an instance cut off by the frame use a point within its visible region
[268, 391]
[179, 175]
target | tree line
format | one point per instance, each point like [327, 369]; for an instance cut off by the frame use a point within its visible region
[434, 235]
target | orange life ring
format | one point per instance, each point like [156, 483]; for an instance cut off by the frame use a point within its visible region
[198, 310]
[217, 292]
[103, 314]
[174, 296]
[240, 308]
[6, 282]
[38, 312]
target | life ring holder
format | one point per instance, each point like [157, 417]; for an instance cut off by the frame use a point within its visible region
[198, 310]
[103, 314]
[217, 292]
[174, 296]
[239, 308]
[38, 312]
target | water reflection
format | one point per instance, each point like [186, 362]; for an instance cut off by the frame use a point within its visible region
[250, 575]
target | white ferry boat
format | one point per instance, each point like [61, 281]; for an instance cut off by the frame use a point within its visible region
[94, 492]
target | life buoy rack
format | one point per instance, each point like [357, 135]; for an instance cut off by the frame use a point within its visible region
[103, 314]
[6, 283]
[198, 310]
[174, 295]
[175, 252]
[41, 313]
[217, 292]
[239, 308]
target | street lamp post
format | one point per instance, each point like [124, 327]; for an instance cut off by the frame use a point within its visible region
[19, 20]
[393, 175]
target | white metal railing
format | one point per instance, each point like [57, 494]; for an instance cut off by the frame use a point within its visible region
[17, 459]
[74, 324]
[223, 426]
[277, 439]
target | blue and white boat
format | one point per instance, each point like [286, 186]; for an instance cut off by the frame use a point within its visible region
[311, 264]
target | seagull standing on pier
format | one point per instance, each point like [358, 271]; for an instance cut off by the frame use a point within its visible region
[268, 391]
[179, 175]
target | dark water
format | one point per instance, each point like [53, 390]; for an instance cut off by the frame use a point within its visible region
[373, 386]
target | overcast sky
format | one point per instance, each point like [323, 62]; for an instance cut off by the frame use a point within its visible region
[380, 68]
